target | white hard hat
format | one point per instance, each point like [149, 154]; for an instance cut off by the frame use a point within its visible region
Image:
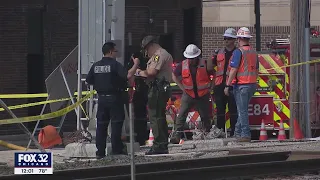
[192, 51]
[244, 32]
[230, 32]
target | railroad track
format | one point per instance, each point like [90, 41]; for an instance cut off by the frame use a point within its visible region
[247, 165]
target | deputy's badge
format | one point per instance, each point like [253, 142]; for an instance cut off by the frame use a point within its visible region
[156, 58]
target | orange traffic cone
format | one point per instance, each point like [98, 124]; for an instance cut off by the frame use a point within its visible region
[49, 137]
[297, 130]
[282, 133]
[263, 132]
[151, 138]
[181, 141]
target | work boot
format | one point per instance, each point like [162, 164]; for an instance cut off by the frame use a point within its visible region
[123, 151]
[175, 139]
[155, 151]
[100, 157]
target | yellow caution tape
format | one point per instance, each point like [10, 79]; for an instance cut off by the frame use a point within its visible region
[35, 104]
[41, 103]
[55, 114]
[297, 64]
[37, 95]
[42, 95]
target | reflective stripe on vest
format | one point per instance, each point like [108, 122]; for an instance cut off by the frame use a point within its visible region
[202, 78]
[220, 67]
[247, 71]
[202, 64]
[185, 66]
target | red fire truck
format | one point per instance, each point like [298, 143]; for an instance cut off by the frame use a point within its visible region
[271, 101]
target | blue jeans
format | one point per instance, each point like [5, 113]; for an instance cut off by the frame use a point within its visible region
[243, 94]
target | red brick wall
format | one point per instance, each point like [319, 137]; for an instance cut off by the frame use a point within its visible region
[212, 37]
[61, 36]
[60, 24]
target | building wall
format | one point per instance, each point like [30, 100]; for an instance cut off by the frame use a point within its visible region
[241, 13]
[61, 36]
[60, 33]
[138, 14]
[212, 37]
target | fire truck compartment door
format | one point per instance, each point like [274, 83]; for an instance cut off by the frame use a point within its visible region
[273, 85]
[261, 107]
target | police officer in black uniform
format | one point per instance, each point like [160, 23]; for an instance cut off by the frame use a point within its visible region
[140, 97]
[109, 79]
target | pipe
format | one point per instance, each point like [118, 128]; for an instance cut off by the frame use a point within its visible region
[12, 146]
[132, 142]
[307, 70]
[79, 64]
[257, 25]
[104, 6]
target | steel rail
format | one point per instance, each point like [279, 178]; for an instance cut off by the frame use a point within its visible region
[248, 170]
[164, 166]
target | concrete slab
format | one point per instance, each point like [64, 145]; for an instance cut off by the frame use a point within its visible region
[199, 143]
[88, 150]
[80, 150]
[188, 146]
[212, 143]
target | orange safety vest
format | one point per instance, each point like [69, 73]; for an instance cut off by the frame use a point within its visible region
[202, 79]
[247, 71]
[221, 61]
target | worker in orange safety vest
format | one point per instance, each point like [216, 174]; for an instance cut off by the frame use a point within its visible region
[220, 59]
[193, 79]
[243, 74]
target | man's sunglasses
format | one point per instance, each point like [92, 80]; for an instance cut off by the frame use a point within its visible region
[228, 38]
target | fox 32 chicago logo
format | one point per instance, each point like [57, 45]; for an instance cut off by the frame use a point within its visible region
[32, 163]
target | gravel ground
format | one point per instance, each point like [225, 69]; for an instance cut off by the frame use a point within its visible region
[311, 146]
[5, 170]
[309, 176]
[263, 146]
[185, 154]
[119, 159]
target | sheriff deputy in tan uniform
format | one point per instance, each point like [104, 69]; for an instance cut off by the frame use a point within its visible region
[159, 76]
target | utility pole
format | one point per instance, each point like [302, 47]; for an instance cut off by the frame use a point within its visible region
[257, 24]
[297, 55]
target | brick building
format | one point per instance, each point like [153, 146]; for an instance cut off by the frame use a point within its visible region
[24, 55]
[212, 36]
[275, 20]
